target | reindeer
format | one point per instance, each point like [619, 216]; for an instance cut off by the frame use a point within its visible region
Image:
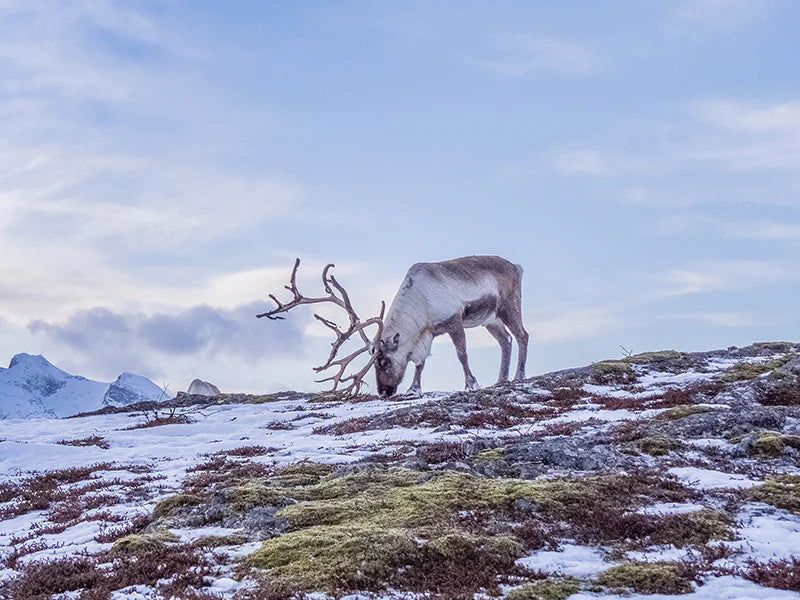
[434, 299]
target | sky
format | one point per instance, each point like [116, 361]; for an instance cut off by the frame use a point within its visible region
[163, 163]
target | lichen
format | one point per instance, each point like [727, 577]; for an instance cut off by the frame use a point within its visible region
[646, 578]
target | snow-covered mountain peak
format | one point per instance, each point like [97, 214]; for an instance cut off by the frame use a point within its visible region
[31, 386]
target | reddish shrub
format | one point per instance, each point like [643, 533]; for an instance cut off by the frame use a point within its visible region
[439, 452]
[782, 574]
[354, 425]
[781, 396]
[40, 579]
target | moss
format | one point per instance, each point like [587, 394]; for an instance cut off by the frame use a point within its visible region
[745, 370]
[682, 411]
[658, 445]
[217, 541]
[138, 542]
[768, 444]
[492, 455]
[377, 482]
[646, 578]
[550, 589]
[165, 507]
[651, 357]
[613, 371]
[397, 527]
[336, 557]
[255, 493]
[781, 491]
[693, 529]
[302, 473]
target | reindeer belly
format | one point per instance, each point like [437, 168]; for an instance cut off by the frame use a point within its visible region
[480, 312]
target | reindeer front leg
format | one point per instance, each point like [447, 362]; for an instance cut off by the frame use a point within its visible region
[459, 337]
[416, 386]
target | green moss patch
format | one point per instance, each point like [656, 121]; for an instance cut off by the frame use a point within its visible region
[658, 445]
[646, 578]
[653, 357]
[446, 533]
[681, 412]
[613, 371]
[255, 493]
[550, 589]
[781, 491]
[745, 370]
[143, 542]
[768, 444]
[165, 507]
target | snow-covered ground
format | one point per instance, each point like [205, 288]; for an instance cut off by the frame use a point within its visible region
[155, 462]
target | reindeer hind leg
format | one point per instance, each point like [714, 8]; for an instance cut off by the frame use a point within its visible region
[500, 333]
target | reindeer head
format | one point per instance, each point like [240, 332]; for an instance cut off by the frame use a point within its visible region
[389, 365]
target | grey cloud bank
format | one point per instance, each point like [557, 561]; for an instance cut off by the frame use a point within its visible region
[113, 341]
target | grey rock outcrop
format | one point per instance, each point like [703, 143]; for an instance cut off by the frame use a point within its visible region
[198, 387]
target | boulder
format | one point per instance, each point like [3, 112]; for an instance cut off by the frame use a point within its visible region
[199, 387]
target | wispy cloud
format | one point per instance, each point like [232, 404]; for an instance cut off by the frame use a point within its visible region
[717, 276]
[517, 56]
[723, 14]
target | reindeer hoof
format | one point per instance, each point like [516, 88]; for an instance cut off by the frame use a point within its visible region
[412, 393]
[471, 384]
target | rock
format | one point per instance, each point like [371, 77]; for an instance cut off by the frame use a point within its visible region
[198, 387]
[564, 453]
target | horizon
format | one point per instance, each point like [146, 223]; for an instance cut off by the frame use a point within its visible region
[165, 164]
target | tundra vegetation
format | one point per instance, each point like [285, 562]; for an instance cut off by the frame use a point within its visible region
[475, 492]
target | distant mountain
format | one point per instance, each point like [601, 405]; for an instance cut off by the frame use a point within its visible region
[31, 387]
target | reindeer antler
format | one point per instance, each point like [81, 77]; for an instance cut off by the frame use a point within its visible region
[332, 286]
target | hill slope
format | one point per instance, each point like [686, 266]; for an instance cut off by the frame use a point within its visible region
[664, 473]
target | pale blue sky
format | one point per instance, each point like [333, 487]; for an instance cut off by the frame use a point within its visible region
[164, 162]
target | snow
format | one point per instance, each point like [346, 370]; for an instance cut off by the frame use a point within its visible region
[708, 479]
[716, 588]
[764, 533]
[670, 508]
[570, 560]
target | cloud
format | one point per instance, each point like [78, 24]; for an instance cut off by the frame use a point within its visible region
[716, 276]
[724, 14]
[786, 231]
[522, 55]
[719, 319]
[113, 341]
[572, 324]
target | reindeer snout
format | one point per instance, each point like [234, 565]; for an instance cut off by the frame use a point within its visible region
[386, 390]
